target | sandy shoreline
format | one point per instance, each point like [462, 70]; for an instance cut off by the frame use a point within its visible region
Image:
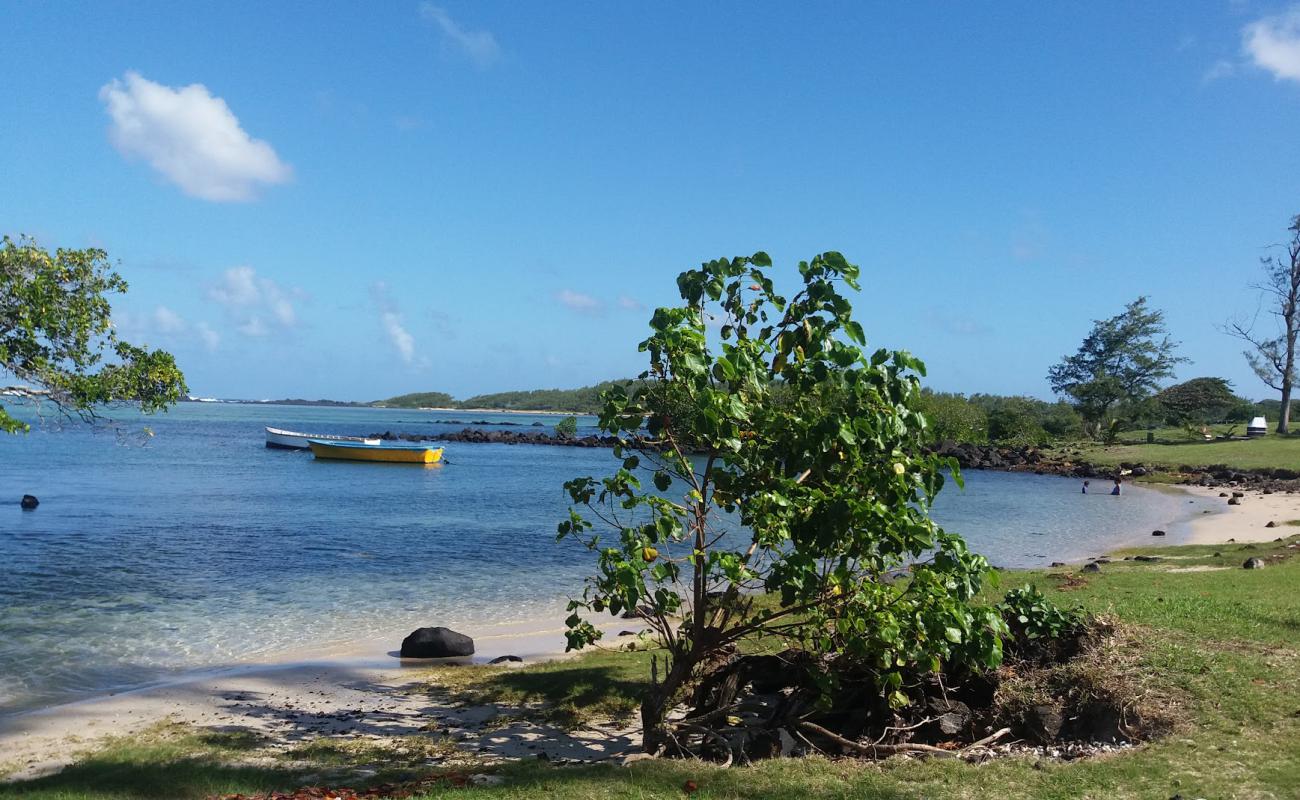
[1247, 522]
[367, 692]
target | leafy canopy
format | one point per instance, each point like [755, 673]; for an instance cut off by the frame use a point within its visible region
[764, 454]
[1197, 401]
[1122, 360]
[56, 331]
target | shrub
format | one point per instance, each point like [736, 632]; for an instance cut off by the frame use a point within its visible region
[1030, 615]
[810, 502]
[951, 417]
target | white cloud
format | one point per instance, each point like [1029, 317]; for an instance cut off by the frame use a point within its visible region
[163, 323]
[258, 305]
[390, 318]
[191, 137]
[398, 335]
[577, 301]
[210, 338]
[167, 321]
[480, 46]
[1222, 68]
[253, 327]
[1273, 44]
[630, 303]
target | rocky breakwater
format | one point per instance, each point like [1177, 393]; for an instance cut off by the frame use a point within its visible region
[1018, 458]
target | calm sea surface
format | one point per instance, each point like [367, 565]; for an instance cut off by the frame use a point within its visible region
[201, 548]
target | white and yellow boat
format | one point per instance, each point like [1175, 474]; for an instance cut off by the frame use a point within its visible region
[392, 453]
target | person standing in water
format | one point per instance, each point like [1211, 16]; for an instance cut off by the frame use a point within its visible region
[1085, 487]
[1115, 491]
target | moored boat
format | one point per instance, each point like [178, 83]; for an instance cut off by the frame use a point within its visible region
[292, 440]
[392, 453]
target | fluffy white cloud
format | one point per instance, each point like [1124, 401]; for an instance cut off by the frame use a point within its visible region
[166, 324]
[190, 137]
[630, 303]
[167, 321]
[480, 46]
[1273, 44]
[258, 305]
[398, 335]
[577, 301]
[390, 318]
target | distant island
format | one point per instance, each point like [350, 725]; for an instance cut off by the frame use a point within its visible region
[582, 400]
[291, 401]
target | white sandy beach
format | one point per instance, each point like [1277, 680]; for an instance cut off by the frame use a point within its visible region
[367, 692]
[1247, 522]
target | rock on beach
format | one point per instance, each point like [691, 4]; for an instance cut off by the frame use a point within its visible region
[437, 642]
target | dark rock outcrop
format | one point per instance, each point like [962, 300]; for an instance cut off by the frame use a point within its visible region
[1157, 533]
[29, 502]
[1253, 563]
[506, 660]
[437, 643]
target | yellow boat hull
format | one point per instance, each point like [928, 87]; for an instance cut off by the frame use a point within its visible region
[398, 455]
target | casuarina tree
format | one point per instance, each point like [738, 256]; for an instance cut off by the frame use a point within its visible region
[1273, 358]
[774, 483]
[1121, 362]
[57, 338]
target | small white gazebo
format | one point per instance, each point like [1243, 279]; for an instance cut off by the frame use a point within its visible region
[1257, 427]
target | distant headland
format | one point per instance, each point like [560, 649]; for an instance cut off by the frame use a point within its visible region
[582, 400]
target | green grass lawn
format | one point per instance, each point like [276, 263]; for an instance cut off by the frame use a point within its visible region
[1227, 641]
[1267, 452]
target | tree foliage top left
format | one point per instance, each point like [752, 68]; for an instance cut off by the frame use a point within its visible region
[57, 338]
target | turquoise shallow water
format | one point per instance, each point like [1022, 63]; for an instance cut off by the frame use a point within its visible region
[202, 548]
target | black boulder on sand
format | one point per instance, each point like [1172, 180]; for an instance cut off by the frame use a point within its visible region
[437, 643]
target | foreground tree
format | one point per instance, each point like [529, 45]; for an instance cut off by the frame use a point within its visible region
[55, 331]
[1121, 362]
[1274, 358]
[791, 485]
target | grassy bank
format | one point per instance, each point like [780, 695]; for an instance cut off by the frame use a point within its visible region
[1224, 640]
[1171, 452]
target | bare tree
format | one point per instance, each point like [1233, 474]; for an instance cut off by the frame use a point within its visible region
[1274, 359]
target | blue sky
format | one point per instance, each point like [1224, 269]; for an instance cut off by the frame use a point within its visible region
[357, 200]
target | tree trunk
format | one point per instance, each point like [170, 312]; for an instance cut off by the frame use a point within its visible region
[657, 702]
[1284, 418]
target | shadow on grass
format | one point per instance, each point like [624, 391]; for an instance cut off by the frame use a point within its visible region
[567, 694]
[105, 776]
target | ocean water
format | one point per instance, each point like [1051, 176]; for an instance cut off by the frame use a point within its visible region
[199, 548]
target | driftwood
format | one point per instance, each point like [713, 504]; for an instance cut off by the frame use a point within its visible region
[875, 750]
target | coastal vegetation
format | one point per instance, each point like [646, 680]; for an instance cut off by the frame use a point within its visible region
[582, 400]
[829, 477]
[1119, 365]
[418, 400]
[1214, 642]
[57, 337]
